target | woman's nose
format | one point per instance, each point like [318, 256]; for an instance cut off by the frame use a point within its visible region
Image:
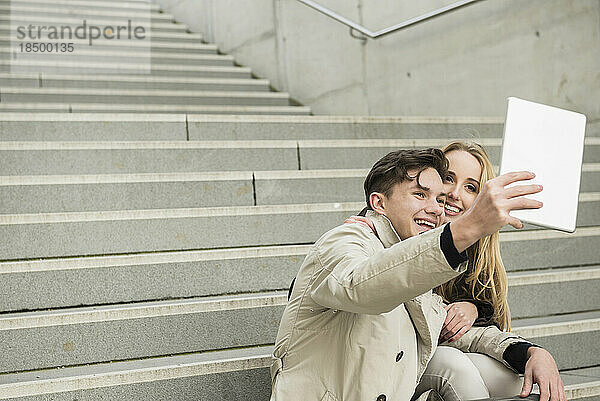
[453, 193]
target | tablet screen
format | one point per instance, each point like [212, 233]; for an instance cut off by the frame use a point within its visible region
[549, 142]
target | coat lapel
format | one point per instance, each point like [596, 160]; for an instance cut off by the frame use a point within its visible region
[384, 229]
[426, 315]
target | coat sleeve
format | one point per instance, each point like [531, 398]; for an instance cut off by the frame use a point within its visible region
[487, 340]
[355, 275]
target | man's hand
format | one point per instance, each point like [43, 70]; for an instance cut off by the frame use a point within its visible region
[460, 316]
[490, 211]
[541, 369]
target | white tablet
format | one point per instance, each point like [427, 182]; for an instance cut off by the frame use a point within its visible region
[549, 142]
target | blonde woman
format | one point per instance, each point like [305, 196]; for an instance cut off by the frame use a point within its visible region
[479, 296]
[485, 283]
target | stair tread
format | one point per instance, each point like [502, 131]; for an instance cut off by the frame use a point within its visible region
[234, 356]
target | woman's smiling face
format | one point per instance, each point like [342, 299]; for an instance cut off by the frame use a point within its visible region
[462, 183]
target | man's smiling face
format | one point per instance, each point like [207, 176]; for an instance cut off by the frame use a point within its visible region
[416, 206]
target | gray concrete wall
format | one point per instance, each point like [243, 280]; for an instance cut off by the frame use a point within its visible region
[464, 63]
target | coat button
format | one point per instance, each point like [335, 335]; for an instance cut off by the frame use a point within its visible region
[399, 356]
[381, 397]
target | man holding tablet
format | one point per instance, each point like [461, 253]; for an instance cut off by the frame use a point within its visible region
[362, 322]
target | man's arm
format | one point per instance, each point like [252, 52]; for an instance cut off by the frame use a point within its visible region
[490, 211]
[351, 280]
[356, 278]
[513, 351]
[541, 369]
[487, 340]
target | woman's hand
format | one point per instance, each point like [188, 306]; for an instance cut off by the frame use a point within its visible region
[460, 316]
[365, 221]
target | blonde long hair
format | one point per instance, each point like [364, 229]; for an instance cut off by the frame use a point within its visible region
[485, 278]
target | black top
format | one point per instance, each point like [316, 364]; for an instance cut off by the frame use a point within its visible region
[515, 354]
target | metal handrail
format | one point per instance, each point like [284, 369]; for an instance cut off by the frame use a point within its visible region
[386, 31]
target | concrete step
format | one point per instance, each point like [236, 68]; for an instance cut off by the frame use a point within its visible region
[98, 233]
[550, 291]
[357, 153]
[572, 338]
[410, 131]
[150, 276]
[128, 45]
[129, 82]
[207, 127]
[75, 193]
[351, 127]
[142, 277]
[77, 336]
[60, 20]
[124, 191]
[345, 185]
[139, 96]
[106, 127]
[149, 108]
[42, 235]
[154, 69]
[344, 127]
[544, 249]
[182, 377]
[117, 332]
[91, 157]
[593, 128]
[192, 376]
[91, 55]
[31, 158]
[102, 5]
[83, 12]
[582, 383]
[155, 276]
[80, 126]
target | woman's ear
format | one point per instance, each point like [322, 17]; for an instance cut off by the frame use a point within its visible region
[377, 201]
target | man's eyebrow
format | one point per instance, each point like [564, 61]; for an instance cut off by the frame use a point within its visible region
[426, 189]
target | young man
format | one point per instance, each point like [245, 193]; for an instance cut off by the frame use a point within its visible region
[362, 322]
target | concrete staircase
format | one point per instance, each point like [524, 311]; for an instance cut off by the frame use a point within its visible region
[146, 256]
[186, 75]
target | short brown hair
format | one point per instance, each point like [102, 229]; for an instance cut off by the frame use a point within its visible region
[393, 168]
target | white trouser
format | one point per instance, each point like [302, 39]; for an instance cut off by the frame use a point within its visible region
[459, 376]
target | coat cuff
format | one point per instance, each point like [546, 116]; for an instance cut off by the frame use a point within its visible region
[516, 355]
[449, 250]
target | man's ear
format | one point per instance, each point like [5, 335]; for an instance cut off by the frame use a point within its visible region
[377, 201]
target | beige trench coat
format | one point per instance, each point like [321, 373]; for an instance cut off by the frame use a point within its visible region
[362, 322]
